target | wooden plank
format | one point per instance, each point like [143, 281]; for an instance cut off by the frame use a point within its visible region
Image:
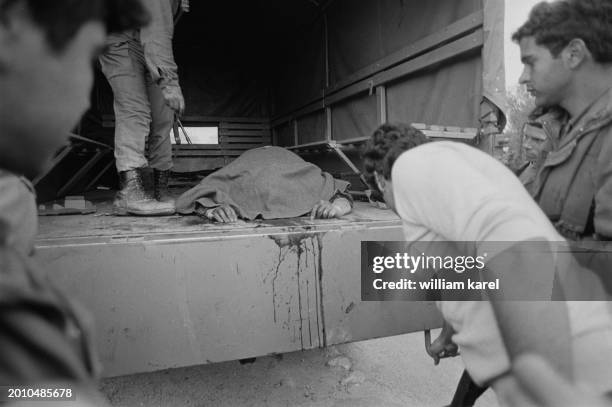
[229, 148]
[196, 147]
[243, 126]
[210, 153]
[245, 133]
[465, 134]
[213, 147]
[227, 119]
[108, 120]
[245, 140]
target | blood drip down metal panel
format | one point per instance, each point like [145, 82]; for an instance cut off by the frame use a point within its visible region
[178, 291]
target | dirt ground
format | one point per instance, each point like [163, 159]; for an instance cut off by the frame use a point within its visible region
[387, 372]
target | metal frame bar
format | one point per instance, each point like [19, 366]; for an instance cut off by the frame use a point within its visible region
[314, 144]
[82, 172]
[100, 174]
[328, 124]
[56, 160]
[88, 140]
[381, 100]
[348, 162]
[333, 146]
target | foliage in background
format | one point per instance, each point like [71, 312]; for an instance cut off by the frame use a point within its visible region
[508, 147]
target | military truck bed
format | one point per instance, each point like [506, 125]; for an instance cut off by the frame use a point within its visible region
[180, 291]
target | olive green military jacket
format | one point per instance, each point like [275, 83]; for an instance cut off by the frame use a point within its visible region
[574, 184]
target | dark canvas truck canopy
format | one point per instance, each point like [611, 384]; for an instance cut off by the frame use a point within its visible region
[316, 69]
[179, 291]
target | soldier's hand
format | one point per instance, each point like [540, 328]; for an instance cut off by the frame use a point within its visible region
[185, 5]
[442, 347]
[174, 98]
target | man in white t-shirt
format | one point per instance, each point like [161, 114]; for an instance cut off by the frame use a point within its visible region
[448, 191]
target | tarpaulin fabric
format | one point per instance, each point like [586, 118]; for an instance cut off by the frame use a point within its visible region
[354, 118]
[233, 55]
[449, 95]
[361, 35]
[311, 128]
[412, 19]
[221, 89]
[354, 37]
[267, 182]
[268, 58]
[299, 71]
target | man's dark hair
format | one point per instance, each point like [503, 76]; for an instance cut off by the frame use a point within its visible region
[553, 25]
[387, 143]
[61, 19]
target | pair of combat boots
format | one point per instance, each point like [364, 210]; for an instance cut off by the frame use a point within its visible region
[133, 199]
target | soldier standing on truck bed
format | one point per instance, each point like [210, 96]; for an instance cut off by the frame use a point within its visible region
[140, 67]
[46, 50]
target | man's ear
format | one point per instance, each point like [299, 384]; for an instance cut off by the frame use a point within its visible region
[575, 53]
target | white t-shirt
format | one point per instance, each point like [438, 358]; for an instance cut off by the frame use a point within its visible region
[448, 191]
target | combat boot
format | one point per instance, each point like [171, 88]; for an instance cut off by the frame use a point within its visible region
[160, 186]
[133, 199]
